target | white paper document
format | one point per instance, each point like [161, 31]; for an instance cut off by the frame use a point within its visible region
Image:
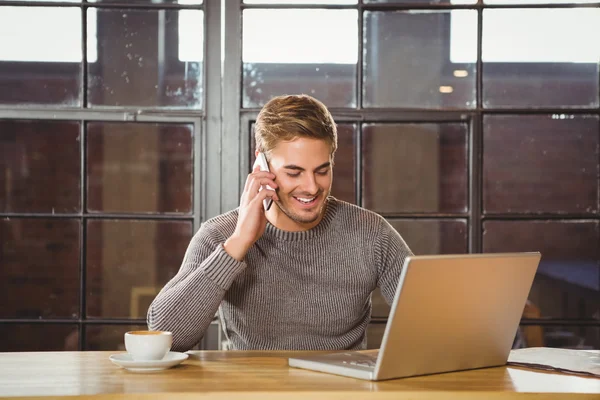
[585, 362]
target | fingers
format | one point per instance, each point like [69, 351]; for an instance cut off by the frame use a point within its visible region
[257, 173]
[263, 194]
[257, 182]
[249, 177]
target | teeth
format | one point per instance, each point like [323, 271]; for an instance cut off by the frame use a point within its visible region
[305, 200]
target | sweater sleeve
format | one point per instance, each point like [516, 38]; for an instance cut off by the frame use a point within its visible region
[391, 252]
[188, 302]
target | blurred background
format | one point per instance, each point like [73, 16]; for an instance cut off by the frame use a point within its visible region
[472, 126]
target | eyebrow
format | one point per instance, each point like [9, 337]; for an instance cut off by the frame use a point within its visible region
[297, 168]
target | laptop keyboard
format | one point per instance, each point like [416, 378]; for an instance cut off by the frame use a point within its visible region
[361, 359]
[368, 363]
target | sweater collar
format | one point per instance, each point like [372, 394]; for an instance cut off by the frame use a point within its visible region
[331, 207]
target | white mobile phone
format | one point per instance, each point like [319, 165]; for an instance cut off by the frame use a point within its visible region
[264, 166]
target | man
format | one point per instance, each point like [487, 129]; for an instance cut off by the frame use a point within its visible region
[298, 276]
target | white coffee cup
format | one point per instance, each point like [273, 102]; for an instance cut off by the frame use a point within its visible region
[148, 345]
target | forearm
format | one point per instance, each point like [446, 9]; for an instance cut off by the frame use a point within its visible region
[186, 311]
[188, 303]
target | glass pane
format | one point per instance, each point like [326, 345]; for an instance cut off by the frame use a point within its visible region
[420, 59]
[554, 64]
[300, 1]
[46, 1]
[423, 1]
[41, 66]
[140, 168]
[567, 284]
[566, 337]
[426, 236]
[183, 2]
[546, 163]
[128, 262]
[108, 337]
[415, 167]
[39, 277]
[433, 236]
[40, 166]
[145, 58]
[39, 337]
[320, 61]
[252, 142]
[538, 1]
[344, 170]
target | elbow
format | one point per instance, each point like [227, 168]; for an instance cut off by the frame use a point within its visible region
[160, 321]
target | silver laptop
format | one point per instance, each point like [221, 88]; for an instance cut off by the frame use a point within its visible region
[450, 313]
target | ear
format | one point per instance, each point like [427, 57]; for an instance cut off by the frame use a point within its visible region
[256, 153]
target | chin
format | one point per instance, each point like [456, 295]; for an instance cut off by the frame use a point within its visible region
[309, 215]
[307, 219]
[301, 214]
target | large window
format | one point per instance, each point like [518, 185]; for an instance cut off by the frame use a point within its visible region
[100, 165]
[124, 125]
[467, 136]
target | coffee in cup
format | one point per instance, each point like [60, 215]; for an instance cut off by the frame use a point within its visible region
[148, 345]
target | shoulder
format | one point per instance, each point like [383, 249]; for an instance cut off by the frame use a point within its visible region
[367, 225]
[222, 225]
[354, 217]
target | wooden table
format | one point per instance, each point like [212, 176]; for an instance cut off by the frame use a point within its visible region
[265, 375]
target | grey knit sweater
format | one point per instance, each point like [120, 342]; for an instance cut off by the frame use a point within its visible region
[294, 290]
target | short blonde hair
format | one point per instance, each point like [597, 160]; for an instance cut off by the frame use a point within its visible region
[285, 118]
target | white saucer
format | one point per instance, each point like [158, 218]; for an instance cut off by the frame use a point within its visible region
[170, 360]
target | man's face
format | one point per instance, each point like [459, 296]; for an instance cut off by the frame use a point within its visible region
[303, 170]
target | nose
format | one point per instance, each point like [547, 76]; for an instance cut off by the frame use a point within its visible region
[309, 185]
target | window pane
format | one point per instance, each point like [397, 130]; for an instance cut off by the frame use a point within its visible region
[545, 163]
[425, 236]
[128, 262]
[146, 58]
[566, 337]
[39, 277]
[415, 167]
[40, 166]
[423, 1]
[140, 168]
[344, 170]
[183, 2]
[553, 66]
[41, 66]
[320, 61]
[108, 337]
[300, 1]
[411, 60]
[39, 337]
[537, 1]
[433, 236]
[46, 1]
[567, 284]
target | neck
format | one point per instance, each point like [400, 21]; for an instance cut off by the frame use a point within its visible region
[282, 221]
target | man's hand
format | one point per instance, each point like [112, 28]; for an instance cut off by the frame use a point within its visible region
[251, 221]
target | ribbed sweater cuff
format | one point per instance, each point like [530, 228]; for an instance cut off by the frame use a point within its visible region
[221, 268]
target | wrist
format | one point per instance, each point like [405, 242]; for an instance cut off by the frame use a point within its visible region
[236, 247]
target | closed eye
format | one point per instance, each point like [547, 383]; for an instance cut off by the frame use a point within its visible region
[297, 174]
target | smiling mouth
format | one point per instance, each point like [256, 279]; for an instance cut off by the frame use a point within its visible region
[306, 201]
